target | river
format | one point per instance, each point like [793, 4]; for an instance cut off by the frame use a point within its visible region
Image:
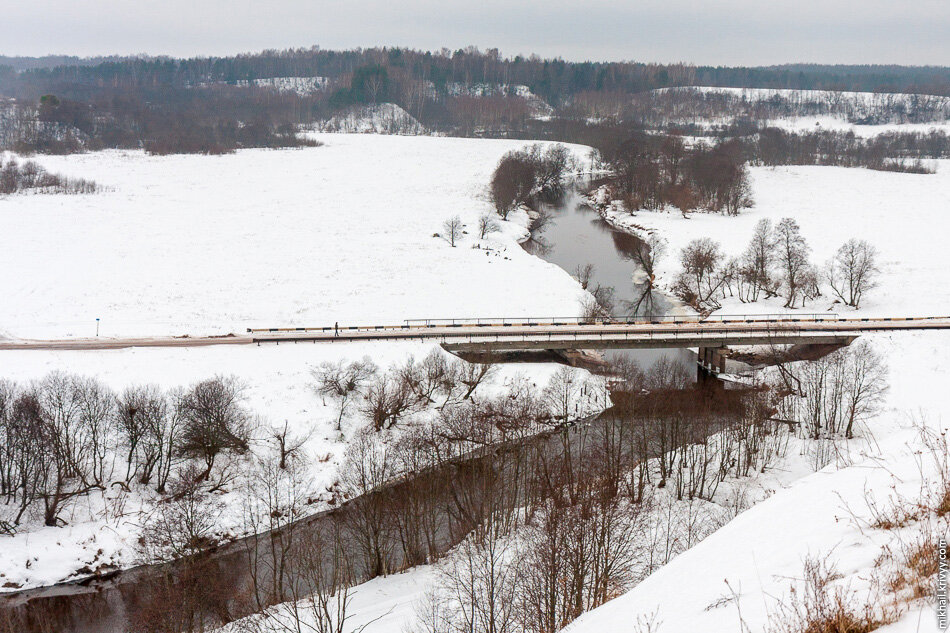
[572, 235]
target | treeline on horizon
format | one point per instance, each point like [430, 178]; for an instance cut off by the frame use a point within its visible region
[552, 79]
[211, 105]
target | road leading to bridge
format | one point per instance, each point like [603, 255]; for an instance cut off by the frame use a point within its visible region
[543, 334]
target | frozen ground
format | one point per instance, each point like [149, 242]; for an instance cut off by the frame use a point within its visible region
[902, 215]
[203, 244]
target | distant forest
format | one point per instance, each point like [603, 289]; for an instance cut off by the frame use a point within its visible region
[64, 104]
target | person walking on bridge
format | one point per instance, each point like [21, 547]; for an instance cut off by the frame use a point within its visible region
[336, 329]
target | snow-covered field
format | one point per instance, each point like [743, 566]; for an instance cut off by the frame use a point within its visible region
[309, 237]
[902, 215]
[841, 110]
[343, 233]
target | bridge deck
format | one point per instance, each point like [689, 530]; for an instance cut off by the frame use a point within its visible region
[527, 334]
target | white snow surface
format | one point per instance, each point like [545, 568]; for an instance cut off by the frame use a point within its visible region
[382, 118]
[763, 549]
[265, 238]
[902, 215]
[300, 85]
[760, 552]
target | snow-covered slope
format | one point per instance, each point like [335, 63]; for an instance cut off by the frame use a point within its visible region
[762, 551]
[383, 118]
[300, 85]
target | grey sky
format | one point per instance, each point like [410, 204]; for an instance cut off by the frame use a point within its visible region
[753, 32]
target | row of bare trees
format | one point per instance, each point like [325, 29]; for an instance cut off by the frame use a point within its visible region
[603, 506]
[29, 176]
[775, 263]
[548, 525]
[66, 435]
[384, 397]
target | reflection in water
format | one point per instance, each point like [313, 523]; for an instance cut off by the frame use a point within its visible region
[573, 235]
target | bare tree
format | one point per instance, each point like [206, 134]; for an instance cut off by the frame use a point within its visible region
[215, 420]
[184, 524]
[853, 271]
[471, 375]
[475, 589]
[512, 183]
[452, 229]
[866, 382]
[583, 274]
[344, 382]
[758, 262]
[563, 393]
[289, 445]
[387, 399]
[367, 467]
[486, 225]
[792, 255]
[141, 414]
[700, 280]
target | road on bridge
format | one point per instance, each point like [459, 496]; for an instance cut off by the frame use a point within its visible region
[525, 333]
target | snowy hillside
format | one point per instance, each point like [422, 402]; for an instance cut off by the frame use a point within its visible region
[384, 118]
[300, 85]
[742, 575]
[865, 113]
[826, 515]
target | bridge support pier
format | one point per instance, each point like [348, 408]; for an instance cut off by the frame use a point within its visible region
[713, 359]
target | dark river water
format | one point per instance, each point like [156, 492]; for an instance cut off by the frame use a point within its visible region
[573, 235]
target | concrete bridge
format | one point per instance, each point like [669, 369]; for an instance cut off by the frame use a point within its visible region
[716, 337]
[519, 338]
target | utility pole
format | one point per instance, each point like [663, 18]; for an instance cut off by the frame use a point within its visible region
[97, 326]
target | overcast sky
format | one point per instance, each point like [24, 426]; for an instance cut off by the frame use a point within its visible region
[749, 32]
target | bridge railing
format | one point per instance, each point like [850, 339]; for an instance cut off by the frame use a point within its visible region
[574, 320]
[622, 320]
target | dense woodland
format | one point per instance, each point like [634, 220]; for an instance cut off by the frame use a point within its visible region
[211, 105]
